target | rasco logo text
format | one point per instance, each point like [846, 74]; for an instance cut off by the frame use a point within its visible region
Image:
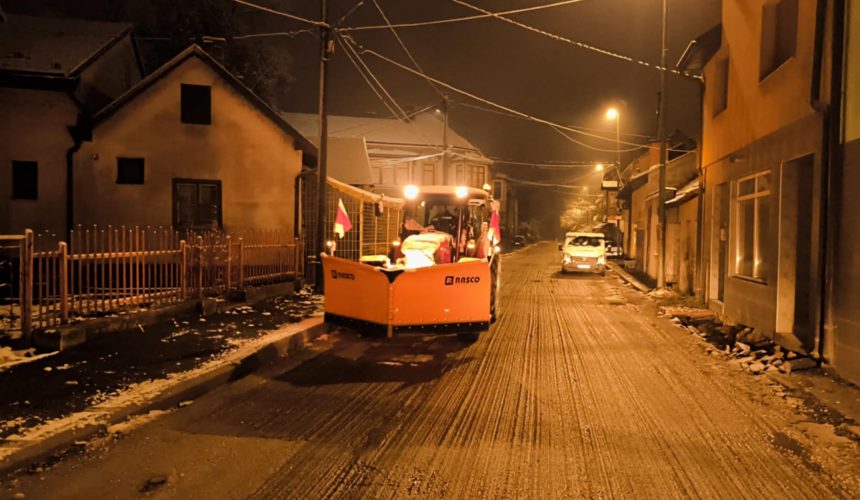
[335, 274]
[461, 280]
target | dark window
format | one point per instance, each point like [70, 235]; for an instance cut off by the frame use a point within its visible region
[721, 86]
[778, 34]
[25, 180]
[196, 104]
[129, 170]
[196, 204]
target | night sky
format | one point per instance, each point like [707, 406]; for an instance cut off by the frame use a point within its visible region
[487, 57]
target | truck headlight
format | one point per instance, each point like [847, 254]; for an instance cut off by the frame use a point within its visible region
[410, 192]
[567, 259]
[601, 260]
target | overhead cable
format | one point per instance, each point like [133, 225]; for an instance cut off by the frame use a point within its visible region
[282, 14]
[461, 19]
[372, 52]
[578, 127]
[581, 45]
[361, 72]
[403, 45]
[347, 48]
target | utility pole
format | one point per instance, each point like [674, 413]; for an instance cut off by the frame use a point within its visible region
[326, 47]
[445, 159]
[661, 134]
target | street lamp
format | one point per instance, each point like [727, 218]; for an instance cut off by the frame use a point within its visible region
[598, 167]
[613, 114]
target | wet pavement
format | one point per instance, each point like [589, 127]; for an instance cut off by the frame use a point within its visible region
[72, 380]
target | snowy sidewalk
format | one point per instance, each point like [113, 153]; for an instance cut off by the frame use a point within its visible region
[50, 388]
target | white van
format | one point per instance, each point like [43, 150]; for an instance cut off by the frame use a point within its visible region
[583, 252]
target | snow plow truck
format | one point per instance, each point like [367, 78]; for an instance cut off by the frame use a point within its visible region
[441, 275]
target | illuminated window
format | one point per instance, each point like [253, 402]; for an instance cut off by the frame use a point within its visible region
[778, 34]
[752, 218]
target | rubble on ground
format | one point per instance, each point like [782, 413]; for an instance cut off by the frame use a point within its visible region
[747, 347]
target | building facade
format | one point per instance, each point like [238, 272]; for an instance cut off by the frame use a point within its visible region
[53, 74]
[406, 152]
[190, 147]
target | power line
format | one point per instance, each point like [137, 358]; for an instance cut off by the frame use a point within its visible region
[461, 19]
[403, 115]
[578, 127]
[282, 14]
[403, 45]
[365, 50]
[355, 7]
[366, 78]
[545, 165]
[581, 45]
[595, 148]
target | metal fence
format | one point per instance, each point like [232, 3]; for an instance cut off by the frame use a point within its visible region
[375, 219]
[103, 271]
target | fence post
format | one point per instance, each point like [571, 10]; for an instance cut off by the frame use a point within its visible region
[200, 268]
[229, 264]
[360, 229]
[26, 285]
[183, 269]
[241, 283]
[64, 282]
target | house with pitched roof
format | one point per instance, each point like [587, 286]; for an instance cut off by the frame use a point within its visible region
[402, 152]
[53, 74]
[190, 146]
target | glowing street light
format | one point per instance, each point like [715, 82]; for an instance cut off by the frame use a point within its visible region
[598, 167]
[612, 114]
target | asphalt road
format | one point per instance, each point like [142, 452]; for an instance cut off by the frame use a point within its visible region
[577, 391]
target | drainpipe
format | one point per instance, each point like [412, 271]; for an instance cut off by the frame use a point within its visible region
[832, 161]
[70, 177]
[699, 285]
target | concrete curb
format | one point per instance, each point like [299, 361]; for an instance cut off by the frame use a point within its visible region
[290, 341]
[628, 277]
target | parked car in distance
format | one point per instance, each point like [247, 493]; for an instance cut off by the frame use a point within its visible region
[519, 241]
[583, 252]
[613, 250]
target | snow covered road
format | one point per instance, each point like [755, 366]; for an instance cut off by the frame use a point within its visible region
[577, 391]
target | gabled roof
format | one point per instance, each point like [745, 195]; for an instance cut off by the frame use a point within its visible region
[347, 161]
[701, 50]
[54, 47]
[308, 149]
[424, 129]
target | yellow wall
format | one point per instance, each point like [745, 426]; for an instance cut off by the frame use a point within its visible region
[756, 108]
[35, 129]
[852, 73]
[254, 158]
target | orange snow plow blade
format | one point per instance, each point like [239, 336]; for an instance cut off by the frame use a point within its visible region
[441, 298]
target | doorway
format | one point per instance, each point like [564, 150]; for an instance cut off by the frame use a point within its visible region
[795, 306]
[722, 239]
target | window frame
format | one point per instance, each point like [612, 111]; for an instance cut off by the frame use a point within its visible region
[16, 194]
[720, 97]
[120, 160]
[755, 196]
[220, 204]
[189, 115]
[772, 27]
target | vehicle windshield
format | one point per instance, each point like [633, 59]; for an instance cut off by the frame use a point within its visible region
[585, 241]
[441, 215]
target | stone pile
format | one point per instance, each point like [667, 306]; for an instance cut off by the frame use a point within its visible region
[747, 347]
